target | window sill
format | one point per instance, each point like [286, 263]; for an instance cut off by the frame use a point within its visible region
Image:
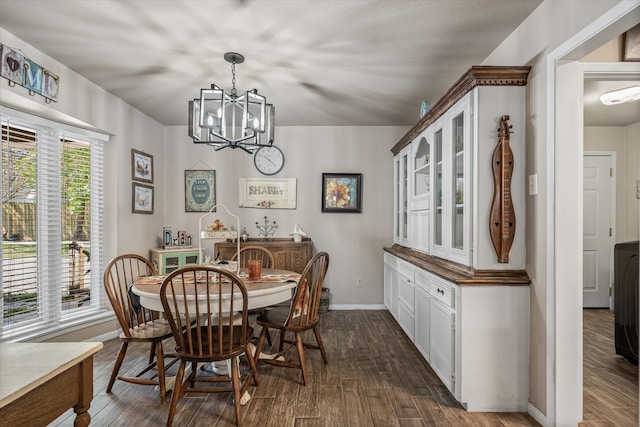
[37, 332]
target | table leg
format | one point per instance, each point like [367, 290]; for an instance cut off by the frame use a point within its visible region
[83, 418]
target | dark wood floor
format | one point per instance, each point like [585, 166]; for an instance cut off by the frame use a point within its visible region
[375, 377]
[610, 381]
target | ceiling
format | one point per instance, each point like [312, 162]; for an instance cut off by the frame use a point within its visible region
[320, 62]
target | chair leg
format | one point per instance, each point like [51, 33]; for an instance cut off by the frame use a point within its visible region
[269, 338]
[118, 364]
[235, 380]
[303, 364]
[316, 331]
[252, 365]
[263, 334]
[281, 343]
[152, 352]
[161, 374]
[177, 391]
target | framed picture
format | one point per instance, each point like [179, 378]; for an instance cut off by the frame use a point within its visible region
[142, 198]
[199, 190]
[141, 166]
[342, 192]
[631, 44]
[267, 193]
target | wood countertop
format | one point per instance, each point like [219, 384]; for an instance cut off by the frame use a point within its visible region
[458, 273]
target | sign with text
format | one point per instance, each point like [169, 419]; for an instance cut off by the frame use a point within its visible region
[200, 190]
[267, 193]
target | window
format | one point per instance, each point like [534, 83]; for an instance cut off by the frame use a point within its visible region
[52, 220]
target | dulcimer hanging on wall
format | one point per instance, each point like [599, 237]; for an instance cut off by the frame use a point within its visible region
[502, 217]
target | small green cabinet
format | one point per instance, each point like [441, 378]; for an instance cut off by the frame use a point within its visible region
[168, 260]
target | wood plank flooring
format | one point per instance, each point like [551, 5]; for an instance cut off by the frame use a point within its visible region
[375, 377]
[610, 389]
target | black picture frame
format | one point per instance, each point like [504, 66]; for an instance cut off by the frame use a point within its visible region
[342, 192]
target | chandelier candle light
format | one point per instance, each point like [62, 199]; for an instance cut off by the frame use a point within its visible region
[266, 230]
[224, 120]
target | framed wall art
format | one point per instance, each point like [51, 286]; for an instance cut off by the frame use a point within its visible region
[142, 198]
[267, 193]
[199, 190]
[342, 192]
[141, 166]
[631, 44]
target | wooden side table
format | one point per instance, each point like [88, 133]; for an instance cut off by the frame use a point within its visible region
[287, 254]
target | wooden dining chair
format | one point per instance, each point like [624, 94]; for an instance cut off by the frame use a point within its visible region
[208, 326]
[251, 252]
[300, 316]
[137, 324]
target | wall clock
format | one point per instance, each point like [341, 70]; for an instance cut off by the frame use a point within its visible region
[269, 160]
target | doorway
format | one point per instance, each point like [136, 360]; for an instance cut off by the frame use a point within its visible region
[564, 248]
[598, 208]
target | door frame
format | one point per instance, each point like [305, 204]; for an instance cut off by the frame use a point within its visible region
[564, 380]
[612, 212]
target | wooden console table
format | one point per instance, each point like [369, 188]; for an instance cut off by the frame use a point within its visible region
[287, 254]
[40, 381]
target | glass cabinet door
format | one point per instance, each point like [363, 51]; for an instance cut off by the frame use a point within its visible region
[401, 202]
[421, 169]
[438, 181]
[457, 221]
[404, 193]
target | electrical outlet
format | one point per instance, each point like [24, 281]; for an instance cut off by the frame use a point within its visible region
[359, 282]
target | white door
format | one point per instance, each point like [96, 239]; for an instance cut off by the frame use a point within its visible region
[599, 202]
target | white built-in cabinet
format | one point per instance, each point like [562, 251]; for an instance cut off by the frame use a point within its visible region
[476, 338]
[444, 184]
[466, 313]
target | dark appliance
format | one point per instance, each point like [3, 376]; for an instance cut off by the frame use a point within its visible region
[626, 268]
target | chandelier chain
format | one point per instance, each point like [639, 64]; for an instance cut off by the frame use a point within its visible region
[233, 77]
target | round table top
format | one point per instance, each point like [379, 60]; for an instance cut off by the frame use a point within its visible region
[273, 287]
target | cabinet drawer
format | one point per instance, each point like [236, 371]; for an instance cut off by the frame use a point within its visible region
[406, 293]
[391, 260]
[443, 291]
[422, 280]
[405, 269]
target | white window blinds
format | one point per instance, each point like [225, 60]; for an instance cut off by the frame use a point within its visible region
[52, 185]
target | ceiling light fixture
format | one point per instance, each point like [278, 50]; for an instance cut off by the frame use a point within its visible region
[230, 120]
[621, 96]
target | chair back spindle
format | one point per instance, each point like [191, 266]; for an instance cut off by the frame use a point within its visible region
[251, 252]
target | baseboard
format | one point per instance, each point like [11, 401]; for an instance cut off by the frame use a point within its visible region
[537, 415]
[338, 307]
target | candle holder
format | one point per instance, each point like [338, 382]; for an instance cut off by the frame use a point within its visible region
[266, 231]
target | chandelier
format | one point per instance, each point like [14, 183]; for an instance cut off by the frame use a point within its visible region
[224, 120]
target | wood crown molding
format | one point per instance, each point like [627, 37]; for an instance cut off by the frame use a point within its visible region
[458, 273]
[478, 75]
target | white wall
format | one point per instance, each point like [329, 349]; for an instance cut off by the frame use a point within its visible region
[625, 142]
[353, 241]
[548, 27]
